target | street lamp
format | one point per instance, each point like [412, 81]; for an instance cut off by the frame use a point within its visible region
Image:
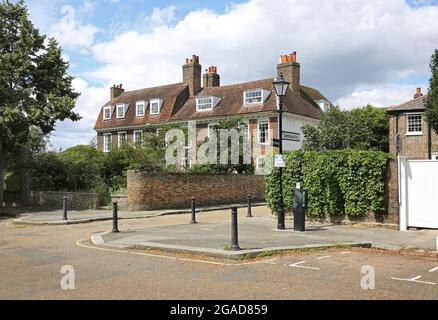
[280, 86]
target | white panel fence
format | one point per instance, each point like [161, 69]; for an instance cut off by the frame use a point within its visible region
[418, 193]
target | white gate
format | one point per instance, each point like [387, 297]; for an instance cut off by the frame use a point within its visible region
[418, 195]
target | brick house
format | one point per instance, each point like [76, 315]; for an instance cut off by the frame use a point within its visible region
[128, 114]
[409, 134]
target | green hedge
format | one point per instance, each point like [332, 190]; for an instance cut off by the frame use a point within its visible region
[339, 182]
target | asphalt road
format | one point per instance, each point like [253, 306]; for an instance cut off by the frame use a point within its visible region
[31, 259]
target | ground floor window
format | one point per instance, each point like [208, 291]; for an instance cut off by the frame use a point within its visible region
[260, 163]
[263, 132]
[106, 142]
[414, 124]
[122, 137]
[138, 137]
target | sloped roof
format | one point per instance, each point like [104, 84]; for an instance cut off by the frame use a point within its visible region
[168, 93]
[313, 93]
[179, 106]
[412, 105]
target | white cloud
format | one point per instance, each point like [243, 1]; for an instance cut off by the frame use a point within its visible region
[70, 32]
[88, 105]
[342, 45]
[162, 16]
[383, 96]
[353, 51]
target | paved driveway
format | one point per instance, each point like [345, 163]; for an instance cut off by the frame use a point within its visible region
[31, 259]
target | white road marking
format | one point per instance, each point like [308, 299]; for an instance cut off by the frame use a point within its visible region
[345, 252]
[324, 257]
[297, 265]
[415, 279]
[433, 269]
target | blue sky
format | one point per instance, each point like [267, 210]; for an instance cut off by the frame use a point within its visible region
[355, 52]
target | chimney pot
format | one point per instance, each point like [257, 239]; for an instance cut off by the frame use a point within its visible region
[192, 74]
[290, 69]
[418, 93]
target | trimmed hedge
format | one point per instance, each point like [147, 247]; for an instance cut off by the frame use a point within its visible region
[339, 182]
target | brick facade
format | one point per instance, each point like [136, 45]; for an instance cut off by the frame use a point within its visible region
[413, 147]
[147, 191]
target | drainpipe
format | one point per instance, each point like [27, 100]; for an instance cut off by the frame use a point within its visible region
[429, 141]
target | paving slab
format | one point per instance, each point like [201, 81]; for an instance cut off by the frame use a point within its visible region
[258, 236]
[54, 217]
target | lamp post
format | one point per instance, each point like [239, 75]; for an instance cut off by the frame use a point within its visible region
[280, 86]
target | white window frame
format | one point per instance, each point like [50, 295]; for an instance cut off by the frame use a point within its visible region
[104, 113]
[252, 103]
[414, 133]
[107, 147]
[153, 101]
[118, 116]
[136, 132]
[137, 108]
[267, 142]
[199, 104]
[119, 144]
[259, 162]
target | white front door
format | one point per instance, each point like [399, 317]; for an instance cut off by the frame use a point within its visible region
[421, 194]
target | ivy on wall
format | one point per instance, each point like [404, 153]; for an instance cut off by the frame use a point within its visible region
[339, 182]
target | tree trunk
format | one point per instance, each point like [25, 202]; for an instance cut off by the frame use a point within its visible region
[25, 186]
[2, 178]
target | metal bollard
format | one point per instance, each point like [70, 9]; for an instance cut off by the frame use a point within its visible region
[64, 208]
[249, 215]
[193, 203]
[234, 234]
[115, 218]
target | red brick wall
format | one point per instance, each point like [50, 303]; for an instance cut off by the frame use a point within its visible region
[412, 147]
[147, 191]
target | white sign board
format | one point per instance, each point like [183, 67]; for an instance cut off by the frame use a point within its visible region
[280, 161]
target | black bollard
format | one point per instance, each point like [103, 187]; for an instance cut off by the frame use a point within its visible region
[249, 215]
[234, 234]
[115, 218]
[64, 208]
[193, 203]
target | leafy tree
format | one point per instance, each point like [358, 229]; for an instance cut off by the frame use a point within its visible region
[432, 97]
[240, 168]
[35, 88]
[363, 128]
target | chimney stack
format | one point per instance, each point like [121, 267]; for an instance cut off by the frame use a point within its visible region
[211, 78]
[290, 68]
[192, 73]
[116, 91]
[418, 93]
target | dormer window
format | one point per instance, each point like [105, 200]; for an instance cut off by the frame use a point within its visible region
[107, 113]
[155, 106]
[257, 96]
[140, 107]
[206, 103]
[121, 111]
